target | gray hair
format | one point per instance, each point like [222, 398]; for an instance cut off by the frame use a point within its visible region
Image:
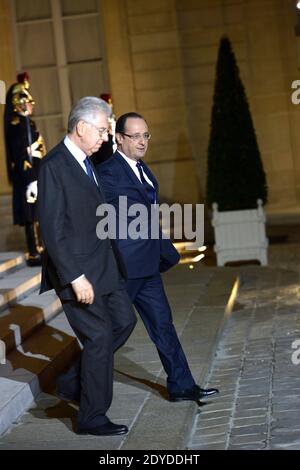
[87, 109]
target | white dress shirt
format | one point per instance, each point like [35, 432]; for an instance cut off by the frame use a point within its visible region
[78, 154]
[133, 166]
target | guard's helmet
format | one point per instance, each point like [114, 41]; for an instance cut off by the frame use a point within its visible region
[20, 91]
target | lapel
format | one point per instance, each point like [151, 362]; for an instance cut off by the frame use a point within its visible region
[134, 179]
[78, 172]
[150, 175]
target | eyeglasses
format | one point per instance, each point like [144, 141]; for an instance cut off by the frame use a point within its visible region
[101, 130]
[137, 137]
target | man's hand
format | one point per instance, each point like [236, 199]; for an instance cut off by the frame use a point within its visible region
[31, 192]
[84, 290]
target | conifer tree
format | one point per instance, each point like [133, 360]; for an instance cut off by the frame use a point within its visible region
[235, 174]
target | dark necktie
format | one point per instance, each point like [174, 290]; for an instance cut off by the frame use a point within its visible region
[89, 169]
[151, 193]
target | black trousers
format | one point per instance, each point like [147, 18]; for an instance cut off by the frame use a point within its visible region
[101, 328]
[31, 232]
[150, 300]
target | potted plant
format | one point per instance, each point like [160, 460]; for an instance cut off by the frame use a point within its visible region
[236, 181]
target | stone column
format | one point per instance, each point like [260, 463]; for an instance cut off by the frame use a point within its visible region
[8, 76]
[117, 50]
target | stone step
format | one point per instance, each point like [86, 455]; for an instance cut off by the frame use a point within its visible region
[10, 260]
[32, 367]
[16, 285]
[19, 321]
[35, 351]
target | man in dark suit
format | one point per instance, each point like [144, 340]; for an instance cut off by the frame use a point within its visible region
[125, 174]
[83, 269]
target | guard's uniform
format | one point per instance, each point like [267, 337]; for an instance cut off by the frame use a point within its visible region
[23, 171]
[24, 149]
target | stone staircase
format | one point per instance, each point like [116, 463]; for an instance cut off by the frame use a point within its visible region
[36, 350]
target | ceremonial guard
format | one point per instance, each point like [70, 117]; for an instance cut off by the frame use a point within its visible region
[24, 149]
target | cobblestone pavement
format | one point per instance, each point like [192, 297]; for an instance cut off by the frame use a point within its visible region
[259, 403]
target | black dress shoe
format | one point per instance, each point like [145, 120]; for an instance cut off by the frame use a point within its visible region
[206, 392]
[34, 260]
[194, 394]
[107, 429]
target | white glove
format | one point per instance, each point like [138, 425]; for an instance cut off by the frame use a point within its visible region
[32, 192]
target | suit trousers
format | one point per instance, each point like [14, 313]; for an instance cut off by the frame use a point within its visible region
[101, 328]
[150, 300]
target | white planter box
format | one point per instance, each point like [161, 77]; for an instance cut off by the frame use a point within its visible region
[240, 235]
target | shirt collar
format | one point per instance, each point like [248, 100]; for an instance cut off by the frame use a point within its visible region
[130, 162]
[75, 151]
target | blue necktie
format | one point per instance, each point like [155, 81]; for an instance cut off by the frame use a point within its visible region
[151, 193]
[89, 169]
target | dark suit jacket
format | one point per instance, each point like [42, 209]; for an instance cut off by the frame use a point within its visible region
[142, 257]
[67, 204]
[16, 146]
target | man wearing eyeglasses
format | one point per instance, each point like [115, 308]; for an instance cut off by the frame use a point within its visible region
[84, 270]
[126, 174]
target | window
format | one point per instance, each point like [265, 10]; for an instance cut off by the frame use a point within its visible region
[59, 43]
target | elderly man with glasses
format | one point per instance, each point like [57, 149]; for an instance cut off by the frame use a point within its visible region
[126, 174]
[83, 269]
